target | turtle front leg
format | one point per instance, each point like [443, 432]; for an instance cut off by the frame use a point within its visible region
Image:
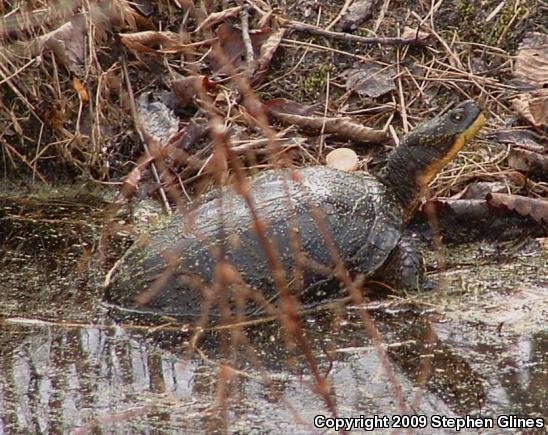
[404, 268]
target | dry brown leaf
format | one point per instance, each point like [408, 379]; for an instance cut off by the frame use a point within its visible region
[186, 89]
[371, 79]
[343, 159]
[135, 20]
[531, 61]
[410, 33]
[480, 189]
[129, 186]
[534, 208]
[341, 127]
[155, 42]
[231, 45]
[357, 13]
[266, 54]
[54, 116]
[80, 90]
[217, 17]
[533, 107]
[476, 209]
[190, 134]
[531, 73]
[521, 138]
[528, 161]
[282, 105]
[68, 43]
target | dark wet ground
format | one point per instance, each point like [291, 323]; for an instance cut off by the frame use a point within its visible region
[479, 348]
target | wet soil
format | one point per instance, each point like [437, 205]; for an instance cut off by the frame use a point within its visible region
[477, 345]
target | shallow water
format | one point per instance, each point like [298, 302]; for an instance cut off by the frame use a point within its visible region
[477, 348]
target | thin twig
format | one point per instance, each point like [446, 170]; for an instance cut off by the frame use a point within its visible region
[315, 30]
[249, 54]
[145, 138]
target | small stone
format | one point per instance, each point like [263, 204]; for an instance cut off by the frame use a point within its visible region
[343, 159]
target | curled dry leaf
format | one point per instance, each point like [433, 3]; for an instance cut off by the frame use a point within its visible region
[120, 13]
[183, 91]
[531, 61]
[131, 182]
[528, 161]
[281, 105]
[217, 17]
[480, 189]
[534, 208]
[533, 107]
[410, 33]
[267, 51]
[68, 43]
[341, 127]
[54, 116]
[228, 55]
[343, 159]
[531, 73]
[155, 42]
[189, 135]
[476, 209]
[80, 90]
[371, 80]
[521, 138]
[357, 13]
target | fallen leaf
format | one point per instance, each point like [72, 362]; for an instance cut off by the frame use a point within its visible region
[411, 33]
[531, 74]
[267, 51]
[531, 61]
[282, 105]
[228, 55]
[470, 208]
[521, 138]
[80, 90]
[341, 127]
[68, 43]
[131, 182]
[155, 42]
[480, 189]
[371, 80]
[533, 107]
[121, 14]
[356, 14]
[217, 17]
[528, 161]
[190, 134]
[183, 91]
[534, 208]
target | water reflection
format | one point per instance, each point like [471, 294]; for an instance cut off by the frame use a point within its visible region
[66, 366]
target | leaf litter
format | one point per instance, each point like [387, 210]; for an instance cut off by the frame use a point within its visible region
[198, 78]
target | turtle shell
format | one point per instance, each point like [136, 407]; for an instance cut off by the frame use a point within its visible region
[170, 271]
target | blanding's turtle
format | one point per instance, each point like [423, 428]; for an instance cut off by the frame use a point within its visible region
[175, 269]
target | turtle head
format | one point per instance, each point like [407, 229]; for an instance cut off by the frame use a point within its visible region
[427, 149]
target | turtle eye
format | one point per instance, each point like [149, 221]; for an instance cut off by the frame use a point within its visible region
[457, 116]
